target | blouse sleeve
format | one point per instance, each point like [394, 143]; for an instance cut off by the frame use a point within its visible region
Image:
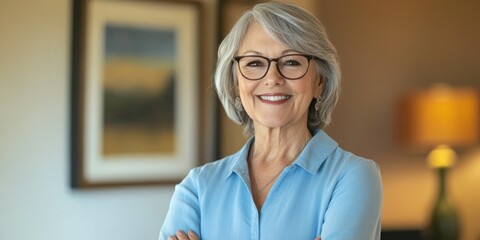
[354, 211]
[184, 210]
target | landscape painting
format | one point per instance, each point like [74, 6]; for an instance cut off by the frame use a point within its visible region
[138, 90]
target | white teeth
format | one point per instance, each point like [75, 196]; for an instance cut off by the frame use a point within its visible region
[274, 98]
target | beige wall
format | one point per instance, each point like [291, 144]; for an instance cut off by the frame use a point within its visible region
[36, 201]
[387, 47]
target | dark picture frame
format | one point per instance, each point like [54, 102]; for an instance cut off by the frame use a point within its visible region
[135, 79]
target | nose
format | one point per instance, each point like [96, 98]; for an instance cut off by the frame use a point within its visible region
[273, 76]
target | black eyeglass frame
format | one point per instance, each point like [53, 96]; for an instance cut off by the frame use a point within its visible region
[270, 60]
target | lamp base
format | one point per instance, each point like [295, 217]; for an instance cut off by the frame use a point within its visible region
[444, 223]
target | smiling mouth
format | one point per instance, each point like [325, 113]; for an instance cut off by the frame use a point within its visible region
[274, 98]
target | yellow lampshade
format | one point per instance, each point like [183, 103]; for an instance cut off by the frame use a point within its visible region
[439, 115]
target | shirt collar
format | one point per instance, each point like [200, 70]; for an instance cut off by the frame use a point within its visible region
[311, 158]
[316, 152]
[239, 163]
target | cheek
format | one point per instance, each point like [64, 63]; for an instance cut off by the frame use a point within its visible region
[245, 87]
[309, 90]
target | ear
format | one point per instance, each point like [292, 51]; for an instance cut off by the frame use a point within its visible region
[319, 86]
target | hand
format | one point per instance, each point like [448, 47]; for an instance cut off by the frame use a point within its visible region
[182, 236]
[318, 238]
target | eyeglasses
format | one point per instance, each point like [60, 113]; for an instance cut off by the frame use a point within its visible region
[292, 66]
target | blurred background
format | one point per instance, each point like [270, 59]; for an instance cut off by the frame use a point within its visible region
[386, 48]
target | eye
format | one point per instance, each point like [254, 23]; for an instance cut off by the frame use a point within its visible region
[291, 62]
[254, 63]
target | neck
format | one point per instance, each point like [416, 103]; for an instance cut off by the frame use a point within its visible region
[277, 146]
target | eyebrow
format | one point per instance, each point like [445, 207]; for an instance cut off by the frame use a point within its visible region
[253, 52]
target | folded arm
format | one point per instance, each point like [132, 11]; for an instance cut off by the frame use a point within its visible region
[354, 211]
[184, 212]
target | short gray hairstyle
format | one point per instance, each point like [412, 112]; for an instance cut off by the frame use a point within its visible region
[296, 28]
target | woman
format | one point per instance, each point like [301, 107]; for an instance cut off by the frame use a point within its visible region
[278, 76]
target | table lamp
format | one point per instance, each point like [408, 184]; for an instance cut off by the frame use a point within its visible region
[440, 119]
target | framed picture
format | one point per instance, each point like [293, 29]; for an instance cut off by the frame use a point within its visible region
[135, 80]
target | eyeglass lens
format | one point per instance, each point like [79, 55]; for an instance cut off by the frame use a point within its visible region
[289, 66]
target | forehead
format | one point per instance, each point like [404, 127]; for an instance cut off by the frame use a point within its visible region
[256, 39]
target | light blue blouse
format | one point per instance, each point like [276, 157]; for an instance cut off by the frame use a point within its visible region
[326, 192]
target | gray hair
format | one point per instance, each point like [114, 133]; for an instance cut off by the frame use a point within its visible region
[296, 28]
